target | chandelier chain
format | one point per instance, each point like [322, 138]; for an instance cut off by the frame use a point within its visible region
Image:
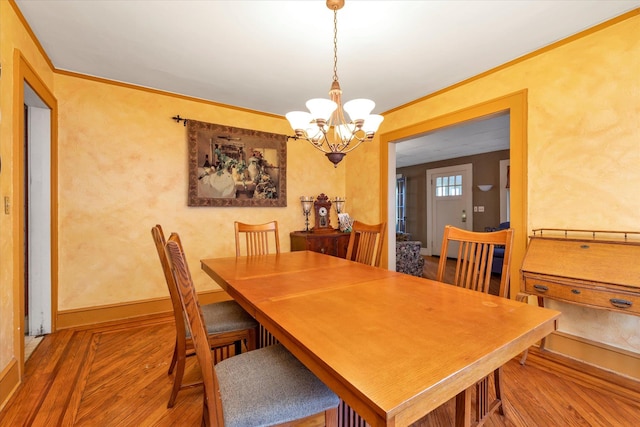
[335, 44]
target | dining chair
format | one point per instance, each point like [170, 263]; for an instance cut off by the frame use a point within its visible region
[365, 243]
[475, 255]
[227, 324]
[263, 387]
[256, 237]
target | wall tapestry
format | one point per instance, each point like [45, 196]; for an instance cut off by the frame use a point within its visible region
[231, 166]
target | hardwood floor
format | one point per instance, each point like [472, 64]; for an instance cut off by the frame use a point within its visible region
[116, 375]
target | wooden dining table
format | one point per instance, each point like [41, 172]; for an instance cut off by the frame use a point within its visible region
[393, 347]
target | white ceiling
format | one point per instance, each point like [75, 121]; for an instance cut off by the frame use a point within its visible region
[475, 137]
[271, 56]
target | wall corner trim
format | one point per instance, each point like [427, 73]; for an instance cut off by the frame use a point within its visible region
[9, 382]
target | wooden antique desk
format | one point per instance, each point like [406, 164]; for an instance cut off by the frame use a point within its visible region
[394, 347]
[334, 243]
[595, 269]
[598, 269]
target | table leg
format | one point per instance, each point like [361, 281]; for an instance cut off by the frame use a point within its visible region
[463, 408]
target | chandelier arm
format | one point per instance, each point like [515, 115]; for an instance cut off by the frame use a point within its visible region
[326, 147]
[319, 145]
[347, 150]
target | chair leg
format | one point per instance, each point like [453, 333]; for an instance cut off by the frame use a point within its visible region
[205, 414]
[173, 358]
[177, 380]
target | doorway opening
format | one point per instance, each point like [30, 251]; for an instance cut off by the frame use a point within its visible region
[37, 219]
[480, 143]
[515, 106]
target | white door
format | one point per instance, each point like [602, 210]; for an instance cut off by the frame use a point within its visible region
[449, 202]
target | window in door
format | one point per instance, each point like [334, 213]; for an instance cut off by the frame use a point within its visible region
[449, 186]
[401, 203]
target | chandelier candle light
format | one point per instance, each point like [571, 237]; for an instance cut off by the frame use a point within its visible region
[325, 126]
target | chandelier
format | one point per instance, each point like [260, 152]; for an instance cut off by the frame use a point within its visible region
[325, 126]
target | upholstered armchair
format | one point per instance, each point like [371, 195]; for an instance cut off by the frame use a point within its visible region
[408, 258]
[498, 253]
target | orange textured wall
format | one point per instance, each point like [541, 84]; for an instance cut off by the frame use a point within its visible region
[583, 150]
[123, 168]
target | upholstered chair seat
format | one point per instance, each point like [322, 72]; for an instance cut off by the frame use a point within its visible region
[224, 316]
[274, 388]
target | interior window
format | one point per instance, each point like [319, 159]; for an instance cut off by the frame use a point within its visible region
[401, 200]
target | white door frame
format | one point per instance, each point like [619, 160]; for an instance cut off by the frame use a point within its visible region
[505, 211]
[391, 207]
[467, 196]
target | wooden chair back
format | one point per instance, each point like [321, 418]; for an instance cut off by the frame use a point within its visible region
[257, 238]
[160, 242]
[189, 300]
[365, 243]
[475, 258]
[473, 271]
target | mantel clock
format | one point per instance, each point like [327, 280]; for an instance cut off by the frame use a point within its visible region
[322, 210]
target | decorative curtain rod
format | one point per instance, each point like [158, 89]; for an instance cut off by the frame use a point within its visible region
[184, 121]
[179, 119]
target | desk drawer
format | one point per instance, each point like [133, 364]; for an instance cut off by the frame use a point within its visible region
[323, 246]
[584, 294]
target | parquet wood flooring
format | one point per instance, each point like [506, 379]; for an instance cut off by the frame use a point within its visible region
[116, 375]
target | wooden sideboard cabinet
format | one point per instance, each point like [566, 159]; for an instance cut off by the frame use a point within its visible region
[596, 269]
[334, 243]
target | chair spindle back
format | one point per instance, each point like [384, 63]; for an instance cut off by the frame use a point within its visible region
[365, 243]
[257, 237]
[475, 258]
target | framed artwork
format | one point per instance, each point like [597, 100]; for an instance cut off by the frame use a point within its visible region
[231, 166]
